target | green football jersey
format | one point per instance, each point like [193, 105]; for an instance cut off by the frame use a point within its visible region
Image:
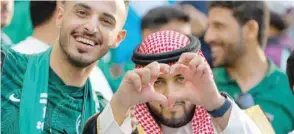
[272, 94]
[64, 107]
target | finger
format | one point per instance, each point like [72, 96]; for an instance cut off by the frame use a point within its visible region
[197, 60]
[178, 69]
[207, 71]
[200, 70]
[185, 58]
[177, 96]
[155, 70]
[160, 98]
[164, 68]
[134, 79]
[145, 75]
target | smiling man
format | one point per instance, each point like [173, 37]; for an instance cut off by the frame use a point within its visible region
[237, 36]
[173, 92]
[50, 92]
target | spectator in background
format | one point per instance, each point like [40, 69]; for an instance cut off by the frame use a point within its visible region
[279, 44]
[20, 27]
[196, 25]
[7, 7]
[165, 18]
[237, 34]
[43, 17]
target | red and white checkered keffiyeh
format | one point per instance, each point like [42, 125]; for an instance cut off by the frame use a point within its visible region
[166, 41]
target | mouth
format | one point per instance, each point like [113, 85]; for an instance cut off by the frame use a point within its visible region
[86, 41]
[177, 104]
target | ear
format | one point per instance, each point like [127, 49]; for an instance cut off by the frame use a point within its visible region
[120, 37]
[60, 14]
[251, 30]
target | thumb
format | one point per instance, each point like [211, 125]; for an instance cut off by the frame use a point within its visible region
[177, 96]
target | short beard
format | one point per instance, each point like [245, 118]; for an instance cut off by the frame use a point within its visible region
[173, 122]
[236, 51]
[77, 62]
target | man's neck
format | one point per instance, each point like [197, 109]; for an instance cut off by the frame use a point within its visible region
[46, 33]
[70, 74]
[249, 70]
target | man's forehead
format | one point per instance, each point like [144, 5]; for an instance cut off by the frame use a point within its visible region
[116, 7]
[220, 15]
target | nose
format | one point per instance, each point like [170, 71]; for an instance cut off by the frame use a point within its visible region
[170, 88]
[92, 25]
[209, 36]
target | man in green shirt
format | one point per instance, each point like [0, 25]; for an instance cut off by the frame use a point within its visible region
[236, 33]
[50, 92]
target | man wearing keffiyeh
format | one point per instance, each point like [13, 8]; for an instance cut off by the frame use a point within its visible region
[173, 91]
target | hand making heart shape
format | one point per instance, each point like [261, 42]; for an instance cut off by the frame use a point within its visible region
[200, 86]
[137, 85]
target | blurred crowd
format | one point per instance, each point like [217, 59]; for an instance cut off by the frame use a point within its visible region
[252, 72]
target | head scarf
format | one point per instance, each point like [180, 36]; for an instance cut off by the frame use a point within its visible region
[166, 47]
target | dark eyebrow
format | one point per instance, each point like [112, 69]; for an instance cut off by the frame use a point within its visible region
[179, 75]
[83, 6]
[159, 78]
[219, 23]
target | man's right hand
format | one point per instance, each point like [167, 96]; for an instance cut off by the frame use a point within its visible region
[136, 88]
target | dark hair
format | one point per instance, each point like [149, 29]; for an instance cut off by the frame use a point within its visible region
[41, 11]
[159, 16]
[245, 11]
[290, 70]
[277, 21]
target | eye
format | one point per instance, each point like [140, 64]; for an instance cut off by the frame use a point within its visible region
[219, 26]
[107, 21]
[81, 13]
[158, 82]
[181, 79]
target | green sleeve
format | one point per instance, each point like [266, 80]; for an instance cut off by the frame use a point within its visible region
[14, 66]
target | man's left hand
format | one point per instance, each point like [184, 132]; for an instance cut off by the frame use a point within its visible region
[200, 86]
